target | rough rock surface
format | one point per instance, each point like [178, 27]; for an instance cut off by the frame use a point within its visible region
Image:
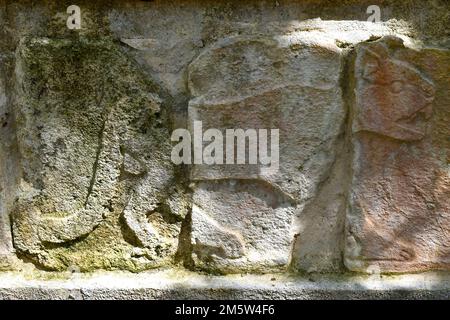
[179, 284]
[8, 175]
[399, 216]
[362, 109]
[93, 150]
[261, 83]
[6, 248]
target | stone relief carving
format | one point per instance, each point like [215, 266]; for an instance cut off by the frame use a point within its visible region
[256, 82]
[98, 189]
[88, 157]
[395, 98]
[399, 215]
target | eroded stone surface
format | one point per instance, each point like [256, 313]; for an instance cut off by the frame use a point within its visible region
[6, 248]
[254, 82]
[241, 225]
[94, 152]
[8, 175]
[255, 64]
[399, 219]
[177, 284]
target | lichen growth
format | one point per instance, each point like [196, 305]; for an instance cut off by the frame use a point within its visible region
[98, 99]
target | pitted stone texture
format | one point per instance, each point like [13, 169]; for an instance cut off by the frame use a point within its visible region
[6, 248]
[254, 82]
[399, 216]
[94, 153]
[165, 56]
[174, 284]
[241, 225]
[8, 148]
[164, 37]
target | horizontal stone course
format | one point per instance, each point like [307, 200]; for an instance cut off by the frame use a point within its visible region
[179, 284]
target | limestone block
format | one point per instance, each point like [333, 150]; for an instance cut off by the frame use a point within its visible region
[95, 159]
[256, 82]
[6, 247]
[241, 225]
[399, 214]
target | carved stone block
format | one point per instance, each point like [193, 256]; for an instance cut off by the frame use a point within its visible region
[254, 82]
[399, 214]
[95, 159]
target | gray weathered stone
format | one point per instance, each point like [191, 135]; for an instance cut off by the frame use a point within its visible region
[93, 147]
[262, 83]
[87, 183]
[6, 248]
[8, 159]
[290, 81]
[179, 284]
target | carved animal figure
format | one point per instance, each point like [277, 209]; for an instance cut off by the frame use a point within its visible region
[394, 97]
[395, 211]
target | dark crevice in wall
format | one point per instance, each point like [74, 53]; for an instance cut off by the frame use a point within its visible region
[347, 86]
[101, 134]
[336, 183]
[184, 252]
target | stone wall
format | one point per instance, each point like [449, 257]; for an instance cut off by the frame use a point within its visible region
[363, 112]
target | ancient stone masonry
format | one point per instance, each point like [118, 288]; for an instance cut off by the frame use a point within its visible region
[256, 82]
[94, 152]
[399, 214]
[362, 111]
[6, 249]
